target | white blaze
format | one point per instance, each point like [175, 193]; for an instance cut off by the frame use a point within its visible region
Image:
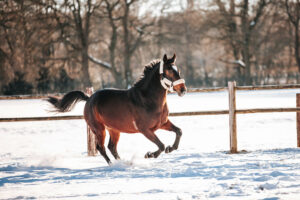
[175, 68]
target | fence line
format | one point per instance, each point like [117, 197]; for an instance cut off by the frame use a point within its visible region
[38, 96]
[265, 87]
[190, 90]
[232, 88]
[172, 114]
[26, 119]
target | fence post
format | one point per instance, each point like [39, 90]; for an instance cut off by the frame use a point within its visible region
[298, 119]
[91, 141]
[232, 116]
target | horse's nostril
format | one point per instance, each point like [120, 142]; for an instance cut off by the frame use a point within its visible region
[182, 92]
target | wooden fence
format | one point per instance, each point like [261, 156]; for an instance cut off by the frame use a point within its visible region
[232, 111]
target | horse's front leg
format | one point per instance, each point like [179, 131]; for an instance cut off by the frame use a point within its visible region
[152, 137]
[169, 126]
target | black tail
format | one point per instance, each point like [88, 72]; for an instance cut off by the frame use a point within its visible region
[68, 101]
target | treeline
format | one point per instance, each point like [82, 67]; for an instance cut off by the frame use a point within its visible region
[56, 46]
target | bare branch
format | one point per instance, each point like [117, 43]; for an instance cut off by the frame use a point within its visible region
[288, 11]
[259, 13]
[100, 62]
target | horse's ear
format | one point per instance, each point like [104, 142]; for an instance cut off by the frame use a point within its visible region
[173, 58]
[165, 59]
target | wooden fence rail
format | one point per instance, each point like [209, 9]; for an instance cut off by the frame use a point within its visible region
[190, 90]
[232, 88]
[172, 114]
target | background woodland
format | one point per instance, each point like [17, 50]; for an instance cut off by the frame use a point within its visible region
[51, 46]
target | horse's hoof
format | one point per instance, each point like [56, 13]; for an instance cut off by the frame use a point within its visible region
[168, 149]
[149, 155]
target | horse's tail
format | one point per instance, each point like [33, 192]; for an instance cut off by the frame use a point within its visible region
[67, 102]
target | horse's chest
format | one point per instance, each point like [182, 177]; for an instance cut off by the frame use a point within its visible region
[159, 118]
[153, 119]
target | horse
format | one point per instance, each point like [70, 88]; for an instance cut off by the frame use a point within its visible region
[141, 109]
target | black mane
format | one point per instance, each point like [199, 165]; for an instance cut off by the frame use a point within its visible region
[140, 88]
[148, 73]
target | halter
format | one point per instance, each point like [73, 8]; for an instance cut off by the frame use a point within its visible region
[166, 83]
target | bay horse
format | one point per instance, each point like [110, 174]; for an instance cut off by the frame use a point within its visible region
[141, 109]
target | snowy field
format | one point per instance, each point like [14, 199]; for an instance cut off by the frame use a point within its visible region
[48, 160]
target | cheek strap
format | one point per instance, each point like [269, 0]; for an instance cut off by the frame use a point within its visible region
[166, 83]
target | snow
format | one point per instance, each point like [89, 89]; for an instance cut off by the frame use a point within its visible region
[48, 160]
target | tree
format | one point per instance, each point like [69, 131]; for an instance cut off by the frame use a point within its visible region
[18, 86]
[43, 81]
[27, 30]
[293, 12]
[63, 83]
[127, 33]
[237, 25]
[75, 24]
[109, 12]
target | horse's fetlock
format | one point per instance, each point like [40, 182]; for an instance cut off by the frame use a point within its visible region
[162, 147]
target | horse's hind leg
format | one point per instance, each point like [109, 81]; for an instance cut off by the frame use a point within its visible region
[152, 137]
[113, 142]
[169, 126]
[100, 135]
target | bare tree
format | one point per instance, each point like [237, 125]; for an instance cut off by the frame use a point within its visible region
[293, 12]
[134, 30]
[78, 15]
[238, 24]
[127, 33]
[26, 28]
[109, 12]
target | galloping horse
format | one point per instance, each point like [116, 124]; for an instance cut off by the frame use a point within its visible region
[142, 108]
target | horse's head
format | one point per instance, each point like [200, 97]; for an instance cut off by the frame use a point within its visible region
[170, 76]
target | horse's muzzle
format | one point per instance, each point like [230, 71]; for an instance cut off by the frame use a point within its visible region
[182, 91]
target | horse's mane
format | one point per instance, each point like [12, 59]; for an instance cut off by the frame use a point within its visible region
[140, 88]
[147, 75]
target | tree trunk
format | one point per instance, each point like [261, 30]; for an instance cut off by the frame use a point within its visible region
[86, 80]
[248, 79]
[127, 47]
[118, 79]
[246, 42]
[128, 72]
[297, 44]
[189, 56]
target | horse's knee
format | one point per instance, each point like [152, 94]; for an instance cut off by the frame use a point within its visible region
[178, 132]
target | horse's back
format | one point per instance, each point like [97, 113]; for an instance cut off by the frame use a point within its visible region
[110, 95]
[110, 99]
[111, 107]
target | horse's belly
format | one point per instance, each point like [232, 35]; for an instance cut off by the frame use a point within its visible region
[121, 127]
[121, 123]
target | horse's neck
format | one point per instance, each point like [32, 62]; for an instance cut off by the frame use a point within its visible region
[151, 95]
[156, 93]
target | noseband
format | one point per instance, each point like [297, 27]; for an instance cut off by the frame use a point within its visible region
[165, 82]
